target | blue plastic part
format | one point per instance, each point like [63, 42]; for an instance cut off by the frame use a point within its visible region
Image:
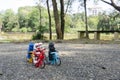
[30, 48]
[28, 56]
[55, 56]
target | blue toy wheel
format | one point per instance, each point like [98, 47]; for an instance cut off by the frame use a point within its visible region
[58, 62]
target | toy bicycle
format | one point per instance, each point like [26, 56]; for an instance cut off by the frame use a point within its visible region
[55, 60]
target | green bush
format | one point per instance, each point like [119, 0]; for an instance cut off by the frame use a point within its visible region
[15, 29]
[39, 33]
[24, 29]
[37, 36]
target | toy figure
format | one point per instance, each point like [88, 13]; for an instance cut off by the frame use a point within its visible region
[37, 45]
[51, 49]
[30, 50]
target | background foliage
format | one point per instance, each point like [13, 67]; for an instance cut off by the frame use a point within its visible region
[27, 20]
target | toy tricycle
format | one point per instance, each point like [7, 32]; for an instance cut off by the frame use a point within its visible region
[55, 59]
[39, 58]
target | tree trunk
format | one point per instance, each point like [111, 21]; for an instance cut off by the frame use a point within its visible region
[40, 33]
[50, 37]
[62, 17]
[57, 21]
[40, 19]
[86, 26]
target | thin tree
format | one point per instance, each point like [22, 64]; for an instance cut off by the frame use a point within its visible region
[50, 30]
[63, 13]
[40, 16]
[62, 18]
[86, 26]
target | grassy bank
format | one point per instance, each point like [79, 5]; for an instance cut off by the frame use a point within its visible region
[9, 37]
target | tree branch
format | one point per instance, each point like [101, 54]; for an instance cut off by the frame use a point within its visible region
[68, 3]
[112, 4]
[106, 2]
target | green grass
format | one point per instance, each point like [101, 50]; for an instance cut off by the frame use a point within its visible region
[8, 37]
[66, 36]
[103, 36]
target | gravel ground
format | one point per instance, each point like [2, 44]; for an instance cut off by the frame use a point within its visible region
[79, 62]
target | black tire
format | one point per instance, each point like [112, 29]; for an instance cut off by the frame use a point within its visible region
[46, 60]
[43, 65]
[58, 62]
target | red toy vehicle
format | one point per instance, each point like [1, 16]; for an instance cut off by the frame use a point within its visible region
[39, 57]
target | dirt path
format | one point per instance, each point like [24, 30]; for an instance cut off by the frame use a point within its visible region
[79, 62]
